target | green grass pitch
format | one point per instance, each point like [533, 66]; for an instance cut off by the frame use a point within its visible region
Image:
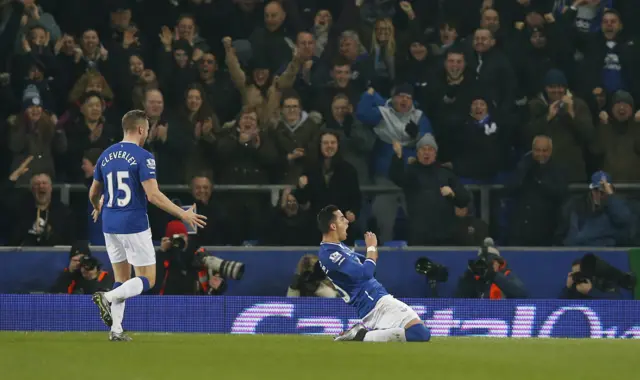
[70, 356]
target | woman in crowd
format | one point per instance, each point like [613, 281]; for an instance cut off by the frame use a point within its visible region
[88, 130]
[199, 120]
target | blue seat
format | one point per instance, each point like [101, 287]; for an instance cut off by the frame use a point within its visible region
[396, 244]
[390, 244]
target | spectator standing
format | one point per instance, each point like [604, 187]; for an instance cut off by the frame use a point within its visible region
[356, 140]
[88, 130]
[618, 139]
[330, 180]
[611, 60]
[432, 193]
[33, 133]
[168, 140]
[216, 232]
[250, 156]
[481, 142]
[296, 135]
[566, 119]
[395, 120]
[290, 224]
[538, 188]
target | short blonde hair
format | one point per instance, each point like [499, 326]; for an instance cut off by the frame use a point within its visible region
[132, 119]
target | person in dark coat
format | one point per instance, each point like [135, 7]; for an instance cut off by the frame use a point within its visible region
[330, 180]
[538, 187]
[449, 91]
[416, 70]
[481, 142]
[290, 224]
[494, 71]
[40, 219]
[432, 193]
[207, 202]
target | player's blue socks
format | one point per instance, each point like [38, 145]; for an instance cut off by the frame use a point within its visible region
[128, 289]
[145, 283]
[417, 333]
[116, 285]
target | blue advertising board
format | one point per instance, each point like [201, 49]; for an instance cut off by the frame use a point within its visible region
[268, 272]
[317, 316]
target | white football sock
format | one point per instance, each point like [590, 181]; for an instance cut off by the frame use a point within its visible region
[130, 288]
[387, 335]
[117, 314]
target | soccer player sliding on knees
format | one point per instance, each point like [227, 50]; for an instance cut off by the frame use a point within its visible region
[127, 174]
[384, 318]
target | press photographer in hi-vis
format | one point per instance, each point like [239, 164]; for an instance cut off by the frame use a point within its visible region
[488, 276]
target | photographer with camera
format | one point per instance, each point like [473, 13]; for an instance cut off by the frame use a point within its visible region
[310, 281]
[594, 278]
[93, 278]
[189, 269]
[489, 277]
[84, 275]
[71, 275]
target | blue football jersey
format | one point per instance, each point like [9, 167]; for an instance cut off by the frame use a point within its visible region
[121, 169]
[352, 278]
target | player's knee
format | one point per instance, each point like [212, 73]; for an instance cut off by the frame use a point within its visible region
[418, 333]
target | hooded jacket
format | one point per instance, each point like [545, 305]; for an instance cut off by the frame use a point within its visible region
[389, 126]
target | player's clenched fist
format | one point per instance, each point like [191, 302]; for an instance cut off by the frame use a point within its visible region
[370, 239]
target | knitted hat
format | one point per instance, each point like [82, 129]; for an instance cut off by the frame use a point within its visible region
[175, 227]
[427, 140]
[32, 101]
[555, 77]
[404, 88]
[622, 97]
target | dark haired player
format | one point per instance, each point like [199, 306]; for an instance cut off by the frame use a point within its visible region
[384, 318]
[127, 174]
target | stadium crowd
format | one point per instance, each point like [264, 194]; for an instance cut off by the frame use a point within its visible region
[327, 96]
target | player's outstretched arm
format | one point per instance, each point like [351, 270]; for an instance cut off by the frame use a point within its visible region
[156, 197]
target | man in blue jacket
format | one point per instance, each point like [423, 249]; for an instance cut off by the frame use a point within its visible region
[394, 119]
[601, 219]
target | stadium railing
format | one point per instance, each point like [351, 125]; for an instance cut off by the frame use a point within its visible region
[484, 191]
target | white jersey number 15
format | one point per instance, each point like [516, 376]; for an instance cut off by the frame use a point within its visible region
[121, 185]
